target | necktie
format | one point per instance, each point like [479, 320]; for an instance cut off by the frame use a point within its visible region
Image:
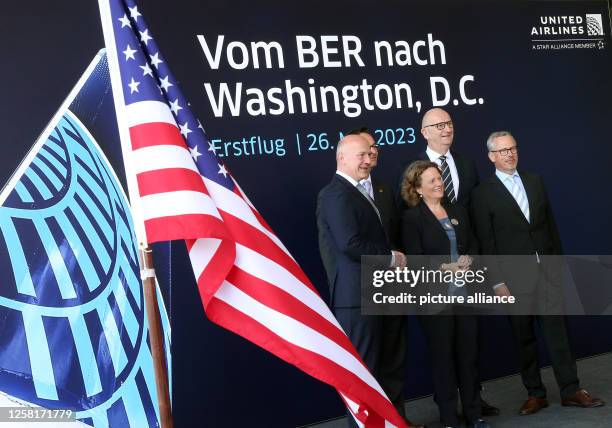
[368, 186]
[364, 192]
[518, 193]
[449, 189]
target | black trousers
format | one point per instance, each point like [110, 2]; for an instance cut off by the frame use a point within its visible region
[554, 331]
[381, 343]
[453, 345]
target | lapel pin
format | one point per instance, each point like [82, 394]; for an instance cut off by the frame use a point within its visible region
[454, 222]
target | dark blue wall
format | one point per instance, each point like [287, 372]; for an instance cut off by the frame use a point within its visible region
[556, 103]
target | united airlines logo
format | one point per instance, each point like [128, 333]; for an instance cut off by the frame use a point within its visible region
[559, 32]
[594, 25]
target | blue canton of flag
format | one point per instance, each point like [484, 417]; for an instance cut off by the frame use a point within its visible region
[146, 77]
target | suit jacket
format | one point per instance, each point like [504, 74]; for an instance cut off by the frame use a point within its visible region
[348, 229]
[427, 245]
[422, 233]
[503, 230]
[466, 170]
[385, 202]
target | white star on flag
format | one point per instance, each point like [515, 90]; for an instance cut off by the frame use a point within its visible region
[125, 21]
[134, 13]
[146, 70]
[144, 36]
[195, 153]
[185, 129]
[129, 53]
[165, 83]
[222, 170]
[212, 148]
[200, 125]
[155, 60]
[133, 86]
[175, 107]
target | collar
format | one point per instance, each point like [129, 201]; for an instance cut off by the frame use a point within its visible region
[348, 178]
[369, 179]
[435, 156]
[504, 176]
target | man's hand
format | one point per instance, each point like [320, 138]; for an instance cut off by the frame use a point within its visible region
[399, 259]
[502, 290]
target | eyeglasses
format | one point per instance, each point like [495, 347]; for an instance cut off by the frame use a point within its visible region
[504, 152]
[375, 147]
[441, 125]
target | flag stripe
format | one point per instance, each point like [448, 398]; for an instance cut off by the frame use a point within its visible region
[318, 366]
[155, 134]
[162, 157]
[201, 253]
[177, 203]
[185, 226]
[148, 111]
[293, 331]
[268, 270]
[281, 301]
[215, 272]
[40, 358]
[233, 204]
[83, 259]
[113, 337]
[251, 237]
[169, 180]
[56, 260]
[85, 353]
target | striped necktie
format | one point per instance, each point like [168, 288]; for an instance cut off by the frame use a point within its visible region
[518, 193]
[449, 189]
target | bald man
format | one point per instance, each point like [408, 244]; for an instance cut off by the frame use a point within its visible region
[350, 226]
[459, 172]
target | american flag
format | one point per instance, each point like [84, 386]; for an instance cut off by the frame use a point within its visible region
[248, 281]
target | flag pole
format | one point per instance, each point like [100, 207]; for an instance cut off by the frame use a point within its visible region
[147, 273]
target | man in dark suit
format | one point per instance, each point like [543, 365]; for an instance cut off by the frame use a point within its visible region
[350, 226]
[458, 171]
[394, 331]
[380, 191]
[512, 216]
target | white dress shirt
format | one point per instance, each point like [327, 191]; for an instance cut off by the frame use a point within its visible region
[435, 157]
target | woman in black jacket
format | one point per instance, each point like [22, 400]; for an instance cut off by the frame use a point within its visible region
[435, 227]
